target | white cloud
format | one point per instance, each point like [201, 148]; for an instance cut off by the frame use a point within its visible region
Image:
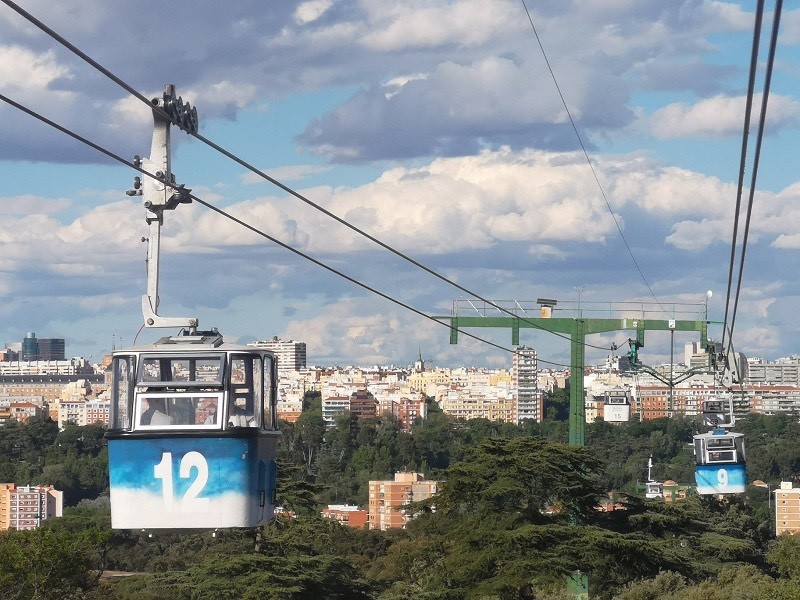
[494, 197]
[223, 93]
[776, 217]
[759, 340]
[27, 204]
[720, 116]
[308, 12]
[22, 69]
[790, 26]
[668, 190]
[130, 111]
[546, 252]
[470, 203]
[101, 302]
[380, 333]
[787, 241]
[425, 24]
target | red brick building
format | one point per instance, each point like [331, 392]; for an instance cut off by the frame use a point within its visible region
[386, 499]
[352, 516]
[363, 404]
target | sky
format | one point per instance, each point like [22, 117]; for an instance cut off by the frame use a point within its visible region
[435, 126]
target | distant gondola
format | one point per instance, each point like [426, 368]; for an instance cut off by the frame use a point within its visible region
[719, 454]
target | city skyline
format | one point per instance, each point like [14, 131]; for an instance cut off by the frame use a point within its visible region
[434, 126]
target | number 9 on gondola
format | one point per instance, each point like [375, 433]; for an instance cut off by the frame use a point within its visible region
[720, 463]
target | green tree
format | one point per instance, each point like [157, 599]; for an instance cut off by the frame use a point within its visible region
[298, 560]
[310, 428]
[432, 441]
[556, 404]
[312, 400]
[523, 476]
[43, 564]
[784, 556]
[294, 490]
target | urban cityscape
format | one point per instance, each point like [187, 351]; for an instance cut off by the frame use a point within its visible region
[367, 176]
[37, 380]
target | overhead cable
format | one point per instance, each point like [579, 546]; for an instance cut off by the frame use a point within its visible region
[242, 223]
[743, 158]
[127, 87]
[756, 160]
[589, 161]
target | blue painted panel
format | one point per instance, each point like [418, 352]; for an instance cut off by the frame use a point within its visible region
[182, 482]
[720, 479]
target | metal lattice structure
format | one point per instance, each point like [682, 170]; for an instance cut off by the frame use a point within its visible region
[584, 319]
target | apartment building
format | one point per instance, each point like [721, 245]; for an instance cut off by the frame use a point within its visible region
[787, 509]
[86, 411]
[22, 411]
[290, 409]
[73, 366]
[379, 398]
[26, 506]
[291, 355]
[407, 410]
[387, 498]
[784, 371]
[772, 399]
[493, 404]
[333, 406]
[47, 387]
[525, 383]
[659, 401]
[424, 380]
[363, 404]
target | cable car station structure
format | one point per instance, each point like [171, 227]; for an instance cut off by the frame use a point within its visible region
[636, 316]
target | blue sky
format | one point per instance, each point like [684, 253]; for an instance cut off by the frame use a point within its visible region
[436, 127]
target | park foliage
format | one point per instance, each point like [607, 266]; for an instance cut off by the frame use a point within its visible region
[516, 516]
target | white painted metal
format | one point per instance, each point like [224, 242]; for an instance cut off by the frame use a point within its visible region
[159, 196]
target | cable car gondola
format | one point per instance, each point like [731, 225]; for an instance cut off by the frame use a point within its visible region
[616, 406]
[720, 462]
[193, 434]
[719, 454]
[193, 431]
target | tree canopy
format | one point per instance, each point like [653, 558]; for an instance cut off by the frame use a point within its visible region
[517, 514]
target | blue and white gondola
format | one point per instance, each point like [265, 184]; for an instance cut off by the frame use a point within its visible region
[720, 463]
[193, 426]
[193, 435]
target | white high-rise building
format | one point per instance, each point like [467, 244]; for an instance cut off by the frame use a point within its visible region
[524, 375]
[291, 355]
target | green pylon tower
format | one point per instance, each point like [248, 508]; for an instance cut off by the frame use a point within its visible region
[577, 328]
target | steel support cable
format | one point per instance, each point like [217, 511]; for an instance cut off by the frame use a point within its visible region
[589, 161]
[88, 59]
[743, 159]
[720, 375]
[773, 43]
[130, 164]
